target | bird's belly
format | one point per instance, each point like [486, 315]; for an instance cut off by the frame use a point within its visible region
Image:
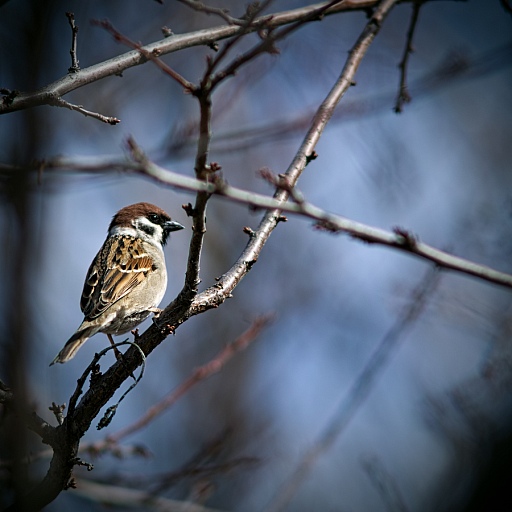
[121, 324]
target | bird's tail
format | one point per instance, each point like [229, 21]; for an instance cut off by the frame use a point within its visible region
[73, 344]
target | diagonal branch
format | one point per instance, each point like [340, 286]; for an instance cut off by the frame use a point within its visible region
[59, 102]
[215, 295]
[198, 375]
[150, 56]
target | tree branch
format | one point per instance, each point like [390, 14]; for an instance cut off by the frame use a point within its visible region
[103, 385]
[198, 375]
[403, 92]
[223, 13]
[116, 65]
[74, 35]
[59, 102]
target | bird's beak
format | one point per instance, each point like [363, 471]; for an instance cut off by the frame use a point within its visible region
[172, 225]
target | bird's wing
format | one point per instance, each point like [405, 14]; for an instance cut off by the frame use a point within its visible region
[120, 266]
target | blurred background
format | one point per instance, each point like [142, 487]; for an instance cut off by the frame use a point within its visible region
[434, 431]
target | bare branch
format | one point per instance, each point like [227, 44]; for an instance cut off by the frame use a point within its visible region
[59, 102]
[198, 375]
[403, 92]
[214, 296]
[398, 239]
[223, 13]
[152, 56]
[117, 65]
[74, 34]
[246, 28]
[268, 39]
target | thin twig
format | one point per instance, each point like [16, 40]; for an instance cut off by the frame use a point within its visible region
[218, 11]
[149, 55]
[198, 375]
[59, 102]
[246, 27]
[403, 91]
[117, 65]
[269, 38]
[358, 392]
[75, 68]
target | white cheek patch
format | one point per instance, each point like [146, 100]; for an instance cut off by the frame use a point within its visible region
[122, 230]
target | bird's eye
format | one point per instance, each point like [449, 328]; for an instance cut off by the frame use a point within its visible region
[153, 217]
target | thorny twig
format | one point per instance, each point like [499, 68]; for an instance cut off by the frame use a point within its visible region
[74, 35]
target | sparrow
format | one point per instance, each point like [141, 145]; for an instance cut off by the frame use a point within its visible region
[127, 279]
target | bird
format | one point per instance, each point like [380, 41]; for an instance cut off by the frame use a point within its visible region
[128, 277]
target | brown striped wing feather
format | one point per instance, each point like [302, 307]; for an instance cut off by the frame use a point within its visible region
[120, 266]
